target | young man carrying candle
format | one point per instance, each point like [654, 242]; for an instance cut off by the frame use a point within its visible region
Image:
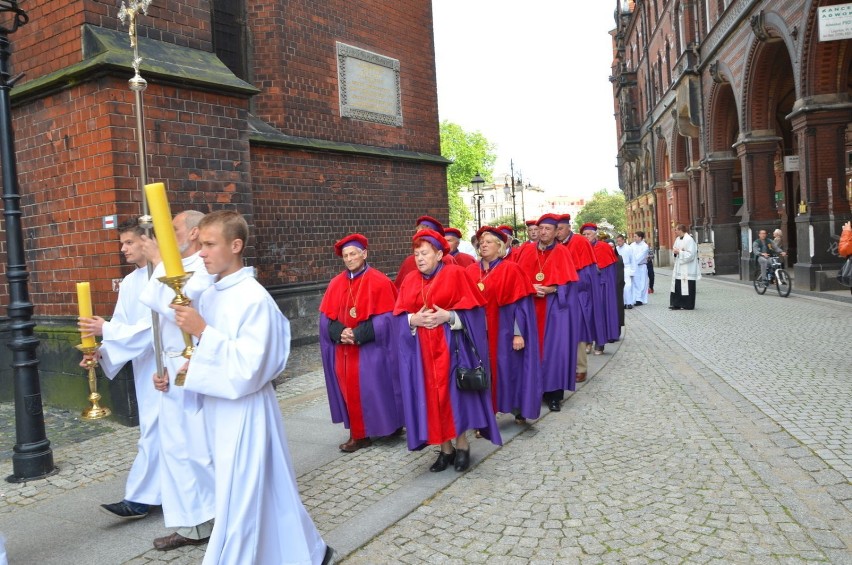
[127, 337]
[244, 342]
[185, 460]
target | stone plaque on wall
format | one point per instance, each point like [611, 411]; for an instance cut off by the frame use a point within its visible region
[369, 86]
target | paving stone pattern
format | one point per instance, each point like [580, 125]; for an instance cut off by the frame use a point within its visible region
[720, 435]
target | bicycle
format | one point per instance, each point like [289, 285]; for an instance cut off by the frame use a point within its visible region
[775, 274]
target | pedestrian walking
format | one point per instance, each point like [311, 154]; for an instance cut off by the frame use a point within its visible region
[512, 331]
[551, 271]
[641, 280]
[685, 271]
[127, 338]
[244, 342]
[439, 310]
[358, 346]
[186, 464]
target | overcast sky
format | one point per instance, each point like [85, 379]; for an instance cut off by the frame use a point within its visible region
[532, 76]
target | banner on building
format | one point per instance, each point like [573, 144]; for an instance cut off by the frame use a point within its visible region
[835, 22]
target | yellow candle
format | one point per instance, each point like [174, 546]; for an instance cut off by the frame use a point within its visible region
[163, 228]
[84, 303]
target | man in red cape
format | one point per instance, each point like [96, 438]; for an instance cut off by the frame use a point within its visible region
[358, 346]
[607, 329]
[550, 269]
[436, 305]
[512, 328]
[453, 237]
[587, 287]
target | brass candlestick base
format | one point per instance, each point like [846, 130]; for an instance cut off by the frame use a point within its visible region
[95, 411]
[177, 283]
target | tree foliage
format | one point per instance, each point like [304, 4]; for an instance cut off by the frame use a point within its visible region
[604, 205]
[471, 153]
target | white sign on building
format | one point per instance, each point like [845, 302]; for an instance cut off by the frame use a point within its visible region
[835, 22]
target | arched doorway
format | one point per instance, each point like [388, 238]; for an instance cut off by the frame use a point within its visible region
[770, 94]
[723, 174]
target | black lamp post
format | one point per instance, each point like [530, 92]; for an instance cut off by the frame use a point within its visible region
[510, 191]
[32, 458]
[477, 182]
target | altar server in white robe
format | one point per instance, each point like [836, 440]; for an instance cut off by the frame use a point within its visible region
[626, 253]
[641, 252]
[186, 462]
[127, 337]
[244, 342]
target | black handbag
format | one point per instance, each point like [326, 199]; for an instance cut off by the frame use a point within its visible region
[844, 275]
[473, 379]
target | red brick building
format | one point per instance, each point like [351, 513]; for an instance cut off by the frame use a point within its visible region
[733, 116]
[314, 119]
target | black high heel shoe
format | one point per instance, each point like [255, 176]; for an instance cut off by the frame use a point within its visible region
[462, 459]
[444, 459]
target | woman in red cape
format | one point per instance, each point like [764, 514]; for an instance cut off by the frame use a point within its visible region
[516, 384]
[433, 305]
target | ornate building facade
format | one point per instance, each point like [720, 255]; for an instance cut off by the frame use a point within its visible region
[310, 118]
[734, 116]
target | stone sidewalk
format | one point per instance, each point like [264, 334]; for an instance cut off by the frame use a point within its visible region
[690, 443]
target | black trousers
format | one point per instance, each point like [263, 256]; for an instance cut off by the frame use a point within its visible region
[678, 300]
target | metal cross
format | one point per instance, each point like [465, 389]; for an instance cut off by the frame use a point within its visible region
[129, 12]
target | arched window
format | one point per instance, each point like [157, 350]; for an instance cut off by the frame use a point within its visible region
[668, 64]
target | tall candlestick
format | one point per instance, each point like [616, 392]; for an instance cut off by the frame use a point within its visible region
[164, 229]
[84, 304]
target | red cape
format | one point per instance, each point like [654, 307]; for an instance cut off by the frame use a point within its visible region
[581, 251]
[463, 259]
[556, 264]
[450, 289]
[604, 255]
[371, 293]
[409, 265]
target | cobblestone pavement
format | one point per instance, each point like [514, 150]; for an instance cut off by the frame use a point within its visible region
[708, 437]
[737, 454]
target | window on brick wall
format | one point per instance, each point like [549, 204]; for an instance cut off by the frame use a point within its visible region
[229, 35]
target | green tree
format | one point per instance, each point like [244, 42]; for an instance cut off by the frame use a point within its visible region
[470, 153]
[605, 206]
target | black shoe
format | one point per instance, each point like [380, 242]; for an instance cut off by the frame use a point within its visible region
[674, 307]
[328, 559]
[555, 406]
[123, 510]
[629, 307]
[444, 459]
[462, 459]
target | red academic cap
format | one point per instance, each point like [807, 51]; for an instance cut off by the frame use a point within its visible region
[453, 231]
[531, 222]
[355, 239]
[565, 219]
[508, 230]
[431, 222]
[551, 219]
[504, 237]
[589, 226]
[435, 239]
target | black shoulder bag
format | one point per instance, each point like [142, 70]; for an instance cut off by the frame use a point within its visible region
[476, 378]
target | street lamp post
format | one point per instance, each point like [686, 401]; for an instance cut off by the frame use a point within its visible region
[33, 457]
[477, 182]
[511, 192]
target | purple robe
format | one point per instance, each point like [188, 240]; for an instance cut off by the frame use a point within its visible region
[381, 397]
[523, 389]
[471, 410]
[589, 278]
[557, 367]
[609, 299]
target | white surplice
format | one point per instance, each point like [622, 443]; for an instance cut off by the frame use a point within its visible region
[260, 517]
[640, 251]
[629, 261]
[128, 337]
[186, 461]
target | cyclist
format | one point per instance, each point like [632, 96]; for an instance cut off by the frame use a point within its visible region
[763, 249]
